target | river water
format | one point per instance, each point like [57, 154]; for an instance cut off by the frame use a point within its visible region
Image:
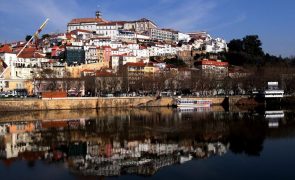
[148, 143]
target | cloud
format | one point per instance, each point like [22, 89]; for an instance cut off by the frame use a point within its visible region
[34, 12]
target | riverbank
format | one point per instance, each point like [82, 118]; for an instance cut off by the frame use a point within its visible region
[89, 103]
[63, 115]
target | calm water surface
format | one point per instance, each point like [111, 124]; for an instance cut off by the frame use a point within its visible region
[152, 143]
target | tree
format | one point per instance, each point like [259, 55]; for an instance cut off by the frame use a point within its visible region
[246, 51]
[252, 45]
[227, 85]
[28, 37]
[176, 62]
[44, 36]
[235, 45]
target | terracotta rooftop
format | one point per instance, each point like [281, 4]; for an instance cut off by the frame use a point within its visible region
[104, 73]
[137, 64]
[5, 49]
[113, 23]
[30, 53]
[213, 62]
[87, 20]
[54, 124]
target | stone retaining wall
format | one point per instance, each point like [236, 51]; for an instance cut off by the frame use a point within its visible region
[88, 103]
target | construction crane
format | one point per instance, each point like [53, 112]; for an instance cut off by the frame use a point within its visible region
[34, 36]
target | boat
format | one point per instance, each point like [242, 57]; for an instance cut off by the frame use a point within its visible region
[273, 118]
[193, 109]
[274, 114]
[192, 103]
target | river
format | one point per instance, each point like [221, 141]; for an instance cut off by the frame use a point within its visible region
[148, 143]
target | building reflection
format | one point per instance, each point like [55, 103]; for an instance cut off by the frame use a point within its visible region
[134, 142]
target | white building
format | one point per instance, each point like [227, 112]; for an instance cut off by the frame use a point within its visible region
[110, 29]
[90, 54]
[183, 37]
[100, 41]
[120, 60]
[8, 58]
[116, 44]
[82, 34]
[141, 53]
[203, 41]
[160, 34]
[140, 25]
[162, 50]
[273, 91]
[89, 24]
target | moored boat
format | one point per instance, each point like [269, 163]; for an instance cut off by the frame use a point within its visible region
[193, 103]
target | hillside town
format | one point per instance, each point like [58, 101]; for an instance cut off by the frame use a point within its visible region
[97, 57]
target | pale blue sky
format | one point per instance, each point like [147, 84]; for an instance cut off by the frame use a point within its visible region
[272, 20]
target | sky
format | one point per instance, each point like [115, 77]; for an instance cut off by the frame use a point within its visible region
[272, 20]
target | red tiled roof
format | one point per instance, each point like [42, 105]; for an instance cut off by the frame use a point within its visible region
[87, 20]
[30, 53]
[113, 23]
[137, 64]
[142, 47]
[54, 124]
[5, 49]
[71, 35]
[104, 74]
[213, 62]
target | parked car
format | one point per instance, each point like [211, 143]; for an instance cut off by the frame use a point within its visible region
[7, 94]
[20, 93]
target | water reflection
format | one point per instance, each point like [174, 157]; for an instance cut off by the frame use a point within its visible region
[274, 117]
[112, 142]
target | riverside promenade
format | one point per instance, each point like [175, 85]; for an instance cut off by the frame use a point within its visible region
[70, 103]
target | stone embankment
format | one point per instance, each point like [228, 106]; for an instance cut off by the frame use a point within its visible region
[89, 103]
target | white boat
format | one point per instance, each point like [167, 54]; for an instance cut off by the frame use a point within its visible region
[273, 118]
[193, 103]
[193, 109]
[274, 114]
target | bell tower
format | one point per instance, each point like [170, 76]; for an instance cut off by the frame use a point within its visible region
[98, 14]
